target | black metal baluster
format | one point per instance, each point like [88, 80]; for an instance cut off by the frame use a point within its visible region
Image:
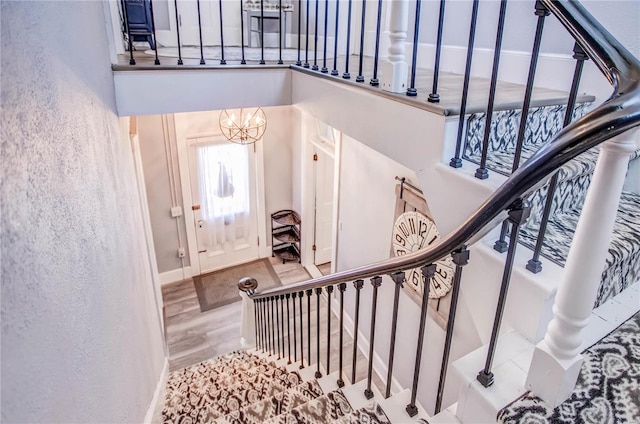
[518, 215]
[324, 69]
[482, 172]
[242, 61]
[306, 49]
[341, 287]
[346, 74]
[309, 293]
[542, 12]
[329, 291]
[298, 62]
[132, 61]
[315, 40]
[374, 81]
[360, 77]
[460, 259]
[202, 62]
[428, 271]
[455, 161]
[277, 322]
[534, 264]
[153, 29]
[282, 323]
[411, 91]
[265, 314]
[334, 71]
[358, 284]
[318, 293]
[264, 325]
[262, 62]
[295, 344]
[273, 331]
[375, 282]
[501, 244]
[398, 278]
[434, 97]
[288, 296]
[222, 61]
[280, 62]
[175, 3]
[300, 295]
[256, 323]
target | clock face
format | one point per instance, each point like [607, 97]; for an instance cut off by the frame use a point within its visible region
[414, 231]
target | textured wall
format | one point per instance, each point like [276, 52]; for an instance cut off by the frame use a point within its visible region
[81, 339]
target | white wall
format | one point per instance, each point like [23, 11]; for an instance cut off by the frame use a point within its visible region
[169, 234]
[81, 339]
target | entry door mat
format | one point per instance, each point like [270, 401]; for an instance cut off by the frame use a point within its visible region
[220, 288]
[607, 391]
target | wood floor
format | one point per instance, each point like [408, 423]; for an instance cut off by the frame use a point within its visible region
[194, 336]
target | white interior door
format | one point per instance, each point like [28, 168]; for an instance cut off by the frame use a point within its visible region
[223, 193]
[323, 231]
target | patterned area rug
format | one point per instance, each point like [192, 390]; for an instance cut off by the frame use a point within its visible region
[607, 391]
[220, 288]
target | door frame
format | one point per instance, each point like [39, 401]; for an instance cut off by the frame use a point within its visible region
[180, 141]
[308, 194]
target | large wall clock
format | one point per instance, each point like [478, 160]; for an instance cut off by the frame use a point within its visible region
[413, 231]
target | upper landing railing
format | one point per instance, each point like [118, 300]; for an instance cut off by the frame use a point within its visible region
[609, 122]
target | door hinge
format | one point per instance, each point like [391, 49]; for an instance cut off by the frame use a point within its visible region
[258, 239]
[313, 248]
[315, 156]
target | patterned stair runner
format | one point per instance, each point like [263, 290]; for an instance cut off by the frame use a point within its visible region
[243, 388]
[607, 391]
[543, 123]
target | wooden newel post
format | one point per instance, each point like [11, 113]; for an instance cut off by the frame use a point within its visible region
[395, 69]
[557, 360]
[247, 286]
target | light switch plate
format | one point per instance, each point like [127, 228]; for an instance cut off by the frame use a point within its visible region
[176, 211]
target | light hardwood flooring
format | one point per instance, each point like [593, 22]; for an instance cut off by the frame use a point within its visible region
[194, 336]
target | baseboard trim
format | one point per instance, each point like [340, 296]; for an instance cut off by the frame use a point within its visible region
[177, 274]
[148, 418]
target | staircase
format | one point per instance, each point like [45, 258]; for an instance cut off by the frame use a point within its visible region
[249, 387]
[556, 171]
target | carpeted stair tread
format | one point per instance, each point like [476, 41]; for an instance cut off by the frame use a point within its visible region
[607, 391]
[218, 403]
[224, 376]
[623, 257]
[543, 123]
[327, 408]
[216, 366]
[371, 413]
[281, 403]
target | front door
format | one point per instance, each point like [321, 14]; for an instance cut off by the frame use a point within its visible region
[223, 192]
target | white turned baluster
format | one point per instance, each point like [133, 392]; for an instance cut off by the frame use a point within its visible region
[395, 70]
[557, 360]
